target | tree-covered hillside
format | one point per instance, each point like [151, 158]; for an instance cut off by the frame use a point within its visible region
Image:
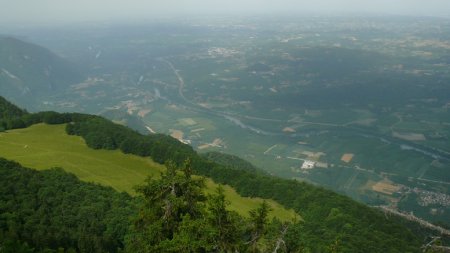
[53, 209]
[329, 217]
[332, 222]
[9, 111]
[230, 161]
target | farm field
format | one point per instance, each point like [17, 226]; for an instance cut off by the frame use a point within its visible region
[45, 146]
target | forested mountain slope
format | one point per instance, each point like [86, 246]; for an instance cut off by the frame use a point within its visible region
[28, 71]
[53, 209]
[9, 110]
[44, 146]
[333, 223]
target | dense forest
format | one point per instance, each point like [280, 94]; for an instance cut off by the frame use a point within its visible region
[230, 161]
[8, 114]
[332, 222]
[53, 210]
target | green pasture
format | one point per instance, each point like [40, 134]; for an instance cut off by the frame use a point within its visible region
[45, 146]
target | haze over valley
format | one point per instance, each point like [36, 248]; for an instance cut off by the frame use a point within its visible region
[355, 100]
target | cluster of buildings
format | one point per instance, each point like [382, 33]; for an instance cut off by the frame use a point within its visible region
[426, 198]
[220, 51]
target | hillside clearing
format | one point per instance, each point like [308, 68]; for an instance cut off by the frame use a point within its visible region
[45, 146]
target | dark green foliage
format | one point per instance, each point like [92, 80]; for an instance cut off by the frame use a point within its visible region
[172, 205]
[15, 123]
[227, 230]
[328, 216]
[8, 245]
[229, 161]
[177, 217]
[9, 110]
[53, 209]
[259, 220]
[56, 118]
[100, 140]
[10, 115]
[332, 221]
[101, 133]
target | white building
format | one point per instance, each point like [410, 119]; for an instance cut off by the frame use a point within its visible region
[307, 164]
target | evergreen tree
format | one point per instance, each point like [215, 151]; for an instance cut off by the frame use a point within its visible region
[176, 217]
[226, 223]
[171, 204]
[259, 221]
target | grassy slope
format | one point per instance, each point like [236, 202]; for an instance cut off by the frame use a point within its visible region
[45, 146]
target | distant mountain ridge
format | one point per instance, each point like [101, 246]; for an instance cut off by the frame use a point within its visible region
[30, 71]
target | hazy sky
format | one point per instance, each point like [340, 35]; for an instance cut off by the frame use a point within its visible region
[26, 11]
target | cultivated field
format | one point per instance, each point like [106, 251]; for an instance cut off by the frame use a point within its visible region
[347, 157]
[386, 187]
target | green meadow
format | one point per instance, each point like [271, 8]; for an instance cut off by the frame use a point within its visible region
[46, 146]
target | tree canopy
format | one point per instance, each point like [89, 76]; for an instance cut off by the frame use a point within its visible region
[332, 222]
[177, 217]
[51, 210]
